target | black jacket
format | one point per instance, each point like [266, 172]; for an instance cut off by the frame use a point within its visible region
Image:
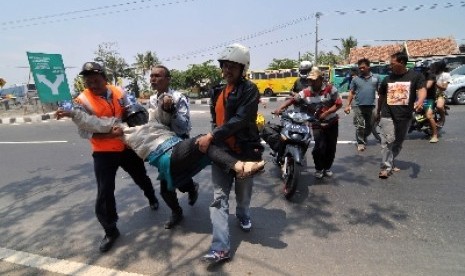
[241, 109]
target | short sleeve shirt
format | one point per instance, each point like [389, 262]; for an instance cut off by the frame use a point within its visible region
[324, 99]
[365, 89]
[400, 94]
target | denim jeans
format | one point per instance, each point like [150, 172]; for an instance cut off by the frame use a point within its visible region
[363, 116]
[392, 134]
[219, 209]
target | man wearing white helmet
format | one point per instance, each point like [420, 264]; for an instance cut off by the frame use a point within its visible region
[302, 82]
[234, 113]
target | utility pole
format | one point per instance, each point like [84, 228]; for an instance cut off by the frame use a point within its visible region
[317, 19]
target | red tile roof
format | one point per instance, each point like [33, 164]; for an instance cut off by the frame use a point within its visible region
[374, 53]
[415, 49]
[432, 47]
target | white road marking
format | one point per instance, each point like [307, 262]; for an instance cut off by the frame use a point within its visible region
[34, 142]
[339, 142]
[57, 265]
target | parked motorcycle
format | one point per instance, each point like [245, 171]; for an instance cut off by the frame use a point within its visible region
[289, 142]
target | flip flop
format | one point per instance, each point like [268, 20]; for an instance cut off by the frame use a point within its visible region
[384, 174]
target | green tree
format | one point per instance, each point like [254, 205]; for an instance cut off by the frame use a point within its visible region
[178, 79]
[78, 85]
[2, 82]
[346, 45]
[202, 75]
[145, 62]
[308, 56]
[115, 65]
[283, 64]
[328, 58]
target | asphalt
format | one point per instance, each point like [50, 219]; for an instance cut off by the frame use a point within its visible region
[18, 116]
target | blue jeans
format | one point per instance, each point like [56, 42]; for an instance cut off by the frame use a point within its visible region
[392, 134]
[219, 209]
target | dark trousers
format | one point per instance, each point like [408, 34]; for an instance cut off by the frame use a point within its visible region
[187, 161]
[105, 166]
[324, 150]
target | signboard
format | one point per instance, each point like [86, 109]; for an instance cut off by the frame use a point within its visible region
[49, 76]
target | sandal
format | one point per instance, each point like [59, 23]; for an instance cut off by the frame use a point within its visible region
[384, 174]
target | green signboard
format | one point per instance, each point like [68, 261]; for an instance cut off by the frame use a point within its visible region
[49, 76]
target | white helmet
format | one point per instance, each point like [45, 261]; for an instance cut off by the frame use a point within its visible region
[236, 53]
[304, 68]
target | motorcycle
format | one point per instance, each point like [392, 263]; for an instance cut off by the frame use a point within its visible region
[421, 123]
[289, 146]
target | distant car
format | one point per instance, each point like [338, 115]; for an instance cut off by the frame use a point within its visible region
[455, 91]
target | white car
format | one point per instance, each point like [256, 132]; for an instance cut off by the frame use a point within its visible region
[455, 91]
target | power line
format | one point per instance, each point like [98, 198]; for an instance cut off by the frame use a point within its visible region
[243, 38]
[269, 43]
[18, 21]
[306, 18]
[9, 25]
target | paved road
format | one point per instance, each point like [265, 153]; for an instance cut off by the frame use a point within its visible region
[351, 224]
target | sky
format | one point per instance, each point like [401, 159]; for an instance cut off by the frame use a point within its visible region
[185, 32]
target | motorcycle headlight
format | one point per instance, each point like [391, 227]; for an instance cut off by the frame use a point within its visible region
[296, 136]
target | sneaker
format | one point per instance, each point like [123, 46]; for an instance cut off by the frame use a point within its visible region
[319, 174]
[434, 140]
[214, 257]
[328, 173]
[361, 147]
[245, 224]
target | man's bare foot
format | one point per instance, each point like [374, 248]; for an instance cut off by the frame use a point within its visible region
[251, 168]
[239, 169]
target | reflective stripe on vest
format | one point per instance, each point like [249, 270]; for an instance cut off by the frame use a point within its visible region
[103, 106]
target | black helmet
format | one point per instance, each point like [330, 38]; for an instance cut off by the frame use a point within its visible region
[91, 67]
[135, 115]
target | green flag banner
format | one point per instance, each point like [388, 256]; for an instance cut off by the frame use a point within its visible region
[49, 76]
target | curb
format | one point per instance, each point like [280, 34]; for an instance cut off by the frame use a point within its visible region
[36, 118]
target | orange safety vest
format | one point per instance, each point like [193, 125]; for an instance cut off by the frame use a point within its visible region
[110, 105]
[220, 116]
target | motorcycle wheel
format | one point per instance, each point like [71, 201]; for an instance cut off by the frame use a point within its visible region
[438, 119]
[291, 179]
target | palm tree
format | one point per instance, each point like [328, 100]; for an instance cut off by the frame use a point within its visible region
[2, 82]
[346, 45]
[145, 62]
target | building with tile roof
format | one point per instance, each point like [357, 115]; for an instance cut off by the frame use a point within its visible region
[416, 49]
